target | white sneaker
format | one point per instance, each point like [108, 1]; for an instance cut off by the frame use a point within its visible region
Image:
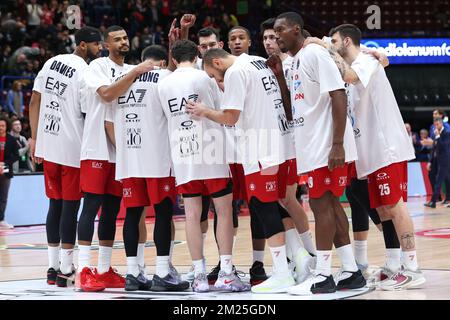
[200, 283]
[142, 270]
[174, 272]
[191, 274]
[6, 225]
[230, 282]
[404, 279]
[379, 276]
[316, 283]
[277, 283]
[304, 263]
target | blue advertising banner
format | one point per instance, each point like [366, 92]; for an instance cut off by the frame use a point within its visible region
[413, 51]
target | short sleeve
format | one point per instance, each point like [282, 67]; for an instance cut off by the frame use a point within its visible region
[365, 66]
[38, 85]
[324, 69]
[235, 90]
[95, 77]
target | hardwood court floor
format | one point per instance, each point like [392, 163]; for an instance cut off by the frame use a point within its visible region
[23, 254]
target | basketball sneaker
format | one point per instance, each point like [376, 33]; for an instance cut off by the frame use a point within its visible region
[304, 263]
[277, 283]
[257, 273]
[5, 225]
[190, 275]
[380, 275]
[51, 276]
[347, 280]
[404, 279]
[200, 283]
[364, 268]
[87, 282]
[111, 279]
[214, 274]
[230, 282]
[168, 283]
[316, 283]
[174, 272]
[140, 282]
[65, 280]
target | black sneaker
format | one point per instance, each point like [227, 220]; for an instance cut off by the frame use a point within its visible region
[140, 282]
[168, 283]
[350, 280]
[257, 273]
[64, 280]
[327, 285]
[51, 276]
[430, 204]
[214, 274]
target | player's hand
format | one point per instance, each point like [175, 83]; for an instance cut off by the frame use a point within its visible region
[336, 159]
[187, 21]
[144, 67]
[174, 33]
[197, 109]
[32, 151]
[315, 40]
[275, 64]
[380, 56]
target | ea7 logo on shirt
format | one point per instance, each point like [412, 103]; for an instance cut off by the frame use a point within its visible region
[176, 106]
[270, 84]
[382, 176]
[134, 96]
[97, 165]
[55, 86]
[271, 186]
[126, 192]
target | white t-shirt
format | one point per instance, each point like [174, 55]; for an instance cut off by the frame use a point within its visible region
[251, 87]
[60, 128]
[140, 128]
[287, 70]
[196, 145]
[380, 133]
[96, 144]
[314, 75]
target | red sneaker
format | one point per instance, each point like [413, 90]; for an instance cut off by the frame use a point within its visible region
[110, 279]
[87, 282]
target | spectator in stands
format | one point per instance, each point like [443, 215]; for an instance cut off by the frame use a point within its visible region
[423, 153]
[26, 129]
[14, 100]
[24, 162]
[440, 159]
[9, 153]
[34, 14]
[414, 137]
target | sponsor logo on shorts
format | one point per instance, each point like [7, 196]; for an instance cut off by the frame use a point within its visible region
[252, 186]
[382, 176]
[271, 186]
[310, 182]
[166, 188]
[97, 165]
[343, 181]
[327, 181]
[127, 192]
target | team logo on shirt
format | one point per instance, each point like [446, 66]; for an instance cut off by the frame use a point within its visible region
[126, 192]
[166, 188]
[382, 176]
[252, 186]
[310, 182]
[271, 186]
[327, 181]
[342, 181]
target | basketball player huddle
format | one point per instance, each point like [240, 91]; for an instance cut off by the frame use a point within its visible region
[222, 129]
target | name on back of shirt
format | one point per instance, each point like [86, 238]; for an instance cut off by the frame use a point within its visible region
[62, 68]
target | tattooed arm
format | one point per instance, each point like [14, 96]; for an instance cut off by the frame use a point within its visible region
[347, 73]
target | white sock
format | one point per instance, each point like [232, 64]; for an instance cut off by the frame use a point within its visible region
[293, 243]
[393, 261]
[226, 263]
[84, 254]
[361, 251]
[199, 267]
[162, 266]
[279, 259]
[172, 243]
[104, 259]
[53, 257]
[410, 260]
[324, 262]
[140, 254]
[308, 243]
[345, 253]
[66, 260]
[132, 266]
[258, 255]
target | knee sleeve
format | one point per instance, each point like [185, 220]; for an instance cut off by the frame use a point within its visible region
[283, 212]
[53, 221]
[255, 224]
[163, 227]
[68, 224]
[269, 216]
[107, 223]
[91, 205]
[131, 230]
[206, 200]
[360, 218]
[374, 216]
[390, 235]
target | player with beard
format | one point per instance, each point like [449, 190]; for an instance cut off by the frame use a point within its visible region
[57, 127]
[98, 162]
